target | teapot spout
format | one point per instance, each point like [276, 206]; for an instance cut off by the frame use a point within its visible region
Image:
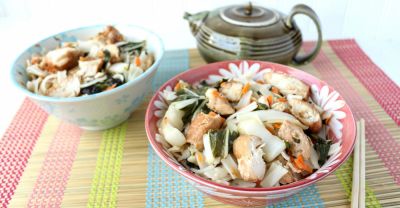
[195, 20]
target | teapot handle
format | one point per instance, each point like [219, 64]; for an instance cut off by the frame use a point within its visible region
[303, 9]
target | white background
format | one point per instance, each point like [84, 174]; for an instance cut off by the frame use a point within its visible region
[373, 23]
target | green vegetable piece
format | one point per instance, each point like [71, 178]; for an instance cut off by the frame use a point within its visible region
[262, 106]
[107, 57]
[232, 137]
[287, 144]
[229, 138]
[322, 147]
[216, 142]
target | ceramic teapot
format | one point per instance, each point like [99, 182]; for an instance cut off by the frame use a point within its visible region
[252, 32]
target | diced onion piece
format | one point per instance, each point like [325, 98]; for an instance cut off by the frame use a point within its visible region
[273, 145]
[244, 110]
[243, 184]
[334, 148]
[161, 139]
[285, 156]
[185, 154]
[201, 162]
[274, 116]
[173, 135]
[215, 173]
[314, 159]
[273, 174]
[244, 100]
[231, 166]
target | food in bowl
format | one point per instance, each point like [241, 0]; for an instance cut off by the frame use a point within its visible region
[97, 111]
[245, 129]
[86, 67]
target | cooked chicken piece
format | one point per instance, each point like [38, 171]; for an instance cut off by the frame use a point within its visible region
[232, 90]
[307, 113]
[200, 125]
[110, 35]
[114, 53]
[280, 106]
[289, 177]
[147, 60]
[36, 60]
[248, 151]
[287, 84]
[218, 103]
[89, 67]
[298, 141]
[60, 59]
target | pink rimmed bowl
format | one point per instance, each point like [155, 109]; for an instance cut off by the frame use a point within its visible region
[341, 130]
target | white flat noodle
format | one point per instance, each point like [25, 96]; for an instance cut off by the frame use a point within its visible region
[274, 173]
[244, 100]
[93, 82]
[35, 70]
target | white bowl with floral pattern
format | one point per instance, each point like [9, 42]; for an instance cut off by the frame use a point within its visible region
[340, 129]
[98, 111]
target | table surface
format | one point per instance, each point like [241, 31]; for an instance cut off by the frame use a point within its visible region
[383, 53]
[143, 178]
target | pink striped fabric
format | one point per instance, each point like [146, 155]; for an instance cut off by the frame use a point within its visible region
[376, 134]
[55, 172]
[16, 147]
[384, 90]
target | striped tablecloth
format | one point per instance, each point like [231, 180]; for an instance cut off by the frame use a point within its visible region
[45, 162]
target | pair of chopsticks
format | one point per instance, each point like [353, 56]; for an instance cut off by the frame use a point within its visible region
[358, 188]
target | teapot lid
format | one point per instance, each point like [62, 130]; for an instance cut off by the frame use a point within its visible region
[249, 15]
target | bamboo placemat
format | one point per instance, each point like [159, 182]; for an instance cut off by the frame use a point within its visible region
[45, 162]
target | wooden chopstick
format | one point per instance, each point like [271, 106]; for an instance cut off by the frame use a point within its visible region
[358, 187]
[361, 197]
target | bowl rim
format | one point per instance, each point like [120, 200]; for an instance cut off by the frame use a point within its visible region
[205, 182]
[152, 68]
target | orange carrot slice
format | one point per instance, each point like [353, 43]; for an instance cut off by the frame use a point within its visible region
[111, 87]
[137, 61]
[277, 125]
[270, 100]
[275, 90]
[282, 99]
[246, 88]
[299, 162]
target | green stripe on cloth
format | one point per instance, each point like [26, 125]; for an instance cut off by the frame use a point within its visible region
[344, 174]
[105, 183]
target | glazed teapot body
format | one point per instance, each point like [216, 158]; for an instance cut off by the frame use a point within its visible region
[253, 33]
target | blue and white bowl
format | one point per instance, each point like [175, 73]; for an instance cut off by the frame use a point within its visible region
[99, 111]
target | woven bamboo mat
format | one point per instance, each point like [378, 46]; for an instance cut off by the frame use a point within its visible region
[45, 162]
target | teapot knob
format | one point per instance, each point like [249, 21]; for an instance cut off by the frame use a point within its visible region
[195, 20]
